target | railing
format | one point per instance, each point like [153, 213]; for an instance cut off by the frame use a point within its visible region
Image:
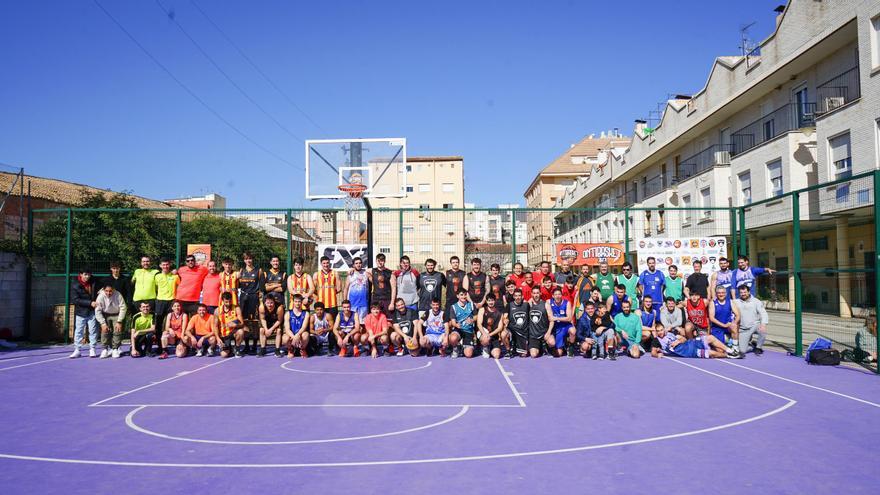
[786, 118]
[653, 186]
[717, 154]
[838, 91]
[627, 198]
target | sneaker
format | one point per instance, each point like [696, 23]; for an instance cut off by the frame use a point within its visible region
[75, 354]
[210, 351]
[571, 351]
[164, 355]
[92, 352]
[486, 354]
[399, 351]
[602, 357]
[105, 353]
[342, 352]
[758, 351]
[595, 356]
[237, 353]
[356, 351]
[199, 353]
[303, 353]
[116, 353]
[454, 353]
[261, 351]
[612, 355]
[442, 352]
[508, 354]
[735, 355]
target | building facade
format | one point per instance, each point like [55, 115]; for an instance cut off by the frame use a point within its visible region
[211, 201]
[801, 108]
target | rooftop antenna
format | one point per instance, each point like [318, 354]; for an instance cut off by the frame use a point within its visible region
[746, 45]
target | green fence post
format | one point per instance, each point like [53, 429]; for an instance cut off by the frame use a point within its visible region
[876, 259]
[67, 278]
[626, 234]
[177, 256]
[512, 238]
[733, 238]
[743, 244]
[400, 231]
[29, 271]
[798, 296]
[289, 242]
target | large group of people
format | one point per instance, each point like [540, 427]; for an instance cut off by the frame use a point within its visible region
[233, 311]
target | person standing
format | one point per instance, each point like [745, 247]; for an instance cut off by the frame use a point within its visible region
[250, 286]
[723, 277]
[753, 321]
[584, 285]
[454, 280]
[144, 281]
[299, 282]
[110, 312]
[562, 275]
[190, 287]
[629, 280]
[518, 275]
[431, 284]
[383, 291]
[119, 282]
[357, 288]
[604, 280]
[475, 283]
[406, 279]
[327, 287]
[652, 281]
[747, 275]
[495, 283]
[274, 281]
[211, 287]
[83, 296]
[674, 286]
[697, 282]
[228, 282]
[166, 292]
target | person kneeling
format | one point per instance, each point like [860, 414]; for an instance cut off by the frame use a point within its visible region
[492, 333]
[175, 324]
[296, 329]
[200, 330]
[143, 330]
[630, 331]
[406, 328]
[229, 327]
[376, 326]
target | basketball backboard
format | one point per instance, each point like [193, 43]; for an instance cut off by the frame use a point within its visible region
[380, 164]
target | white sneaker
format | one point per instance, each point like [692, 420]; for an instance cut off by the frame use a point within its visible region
[486, 354]
[75, 354]
[116, 353]
[454, 353]
[199, 353]
[105, 353]
[400, 351]
[92, 352]
[210, 351]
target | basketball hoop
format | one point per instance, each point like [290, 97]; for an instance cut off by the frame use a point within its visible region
[354, 190]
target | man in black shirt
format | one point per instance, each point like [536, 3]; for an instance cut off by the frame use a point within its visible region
[431, 284]
[454, 281]
[697, 282]
[120, 284]
[406, 329]
[380, 283]
[516, 320]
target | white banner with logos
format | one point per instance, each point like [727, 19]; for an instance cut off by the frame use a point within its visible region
[342, 255]
[682, 252]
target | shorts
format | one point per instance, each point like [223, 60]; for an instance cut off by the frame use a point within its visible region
[200, 337]
[162, 310]
[720, 333]
[536, 343]
[190, 307]
[249, 304]
[626, 344]
[228, 341]
[467, 338]
[520, 341]
[361, 311]
[561, 335]
[697, 348]
[278, 329]
[701, 331]
[436, 339]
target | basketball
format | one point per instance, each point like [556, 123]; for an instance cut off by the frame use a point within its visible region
[412, 345]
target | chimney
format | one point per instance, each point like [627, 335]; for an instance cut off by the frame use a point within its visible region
[640, 126]
[616, 132]
[779, 11]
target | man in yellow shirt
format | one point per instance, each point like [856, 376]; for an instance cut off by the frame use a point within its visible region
[166, 292]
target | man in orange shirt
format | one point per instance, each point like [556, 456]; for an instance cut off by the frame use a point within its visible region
[327, 286]
[200, 330]
[191, 278]
[211, 287]
[376, 325]
[543, 272]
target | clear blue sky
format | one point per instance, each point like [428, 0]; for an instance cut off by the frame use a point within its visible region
[508, 85]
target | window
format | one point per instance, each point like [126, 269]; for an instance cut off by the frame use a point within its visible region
[818, 244]
[425, 248]
[448, 187]
[875, 41]
[841, 161]
[842, 193]
[769, 129]
[447, 206]
[745, 185]
[384, 228]
[424, 206]
[449, 248]
[686, 203]
[408, 229]
[774, 173]
[423, 188]
[864, 196]
[409, 168]
[409, 189]
[385, 249]
[706, 199]
[408, 248]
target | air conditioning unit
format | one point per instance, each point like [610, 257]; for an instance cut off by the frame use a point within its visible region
[832, 102]
[721, 158]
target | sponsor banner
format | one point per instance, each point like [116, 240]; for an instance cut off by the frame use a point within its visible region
[682, 252]
[202, 252]
[577, 254]
[342, 255]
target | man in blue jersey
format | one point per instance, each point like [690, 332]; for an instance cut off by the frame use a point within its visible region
[615, 301]
[650, 314]
[747, 275]
[707, 346]
[461, 324]
[652, 281]
[436, 329]
[562, 333]
[724, 318]
[357, 288]
[722, 278]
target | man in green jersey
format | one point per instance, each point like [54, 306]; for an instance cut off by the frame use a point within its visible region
[144, 280]
[674, 287]
[629, 280]
[628, 325]
[166, 291]
[604, 280]
[143, 330]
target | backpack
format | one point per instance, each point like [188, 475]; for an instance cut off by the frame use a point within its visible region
[821, 353]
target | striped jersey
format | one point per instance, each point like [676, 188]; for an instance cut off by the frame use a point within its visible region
[326, 285]
[229, 283]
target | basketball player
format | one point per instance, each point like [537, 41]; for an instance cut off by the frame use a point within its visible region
[461, 324]
[201, 329]
[431, 284]
[454, 281]
[707, 346]
[406, 328]
[724, 318]
[539, 323]
[380, 283]
[327, 286]
[348, 331]
[475, 283]
[271, 318]
[561, 333]
[406, 280]
[518, 276]
[604, 280]
[321, 329]
[249, 282]
[723, 277]
[357, 289]
[490, 323]
[697, 312]
[436, 329]
[296, 329]
[376, 329]
[229, 329]
[300, 282]
[175, 324]
[516, 320]
[629, 280]
[495, 283]
[274, 281]
[228, 283]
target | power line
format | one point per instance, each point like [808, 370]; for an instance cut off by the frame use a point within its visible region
[189, 91]
[244, 93]
[257, 68]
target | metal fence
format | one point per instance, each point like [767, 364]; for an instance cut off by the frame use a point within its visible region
[821, 241]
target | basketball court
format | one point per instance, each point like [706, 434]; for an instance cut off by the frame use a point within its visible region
[431, 424]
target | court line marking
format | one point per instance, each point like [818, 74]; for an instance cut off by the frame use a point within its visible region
[419, 406]
[178, 375]
[513, 389]
[32, 364]
[839, 394]
[787, 405]
[384, 372]
[129, 421]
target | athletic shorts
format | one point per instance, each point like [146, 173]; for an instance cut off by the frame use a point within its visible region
[321, 339]
[436, 339]
[200, 337]
[361, 311]
[228, 341]
[536, 343]
[467, 339]
[697, 348]
[701, 331]
[249, 304]
[278, 329]
[520, 341]
[720, 333]
[626, 344]
[561, 335]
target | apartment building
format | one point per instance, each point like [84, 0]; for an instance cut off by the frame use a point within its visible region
[425, 230]
[212, 201]
[553, 180]
[802, 108]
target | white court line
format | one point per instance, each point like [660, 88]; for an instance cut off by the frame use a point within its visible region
[129, 421]
[32, 364]
[730, 379]
[6, 360]
[418, 406]
[185, 373]
[788, 404]
[832, 392]
[513, 389]
[316, 372]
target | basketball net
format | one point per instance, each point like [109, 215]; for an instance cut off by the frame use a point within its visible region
[354, 191]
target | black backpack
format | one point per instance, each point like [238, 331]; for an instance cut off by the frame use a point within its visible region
[824, 357]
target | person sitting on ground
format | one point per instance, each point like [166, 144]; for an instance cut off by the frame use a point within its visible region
[201, 330]
[110, 311]
[175, 323]
[436, 329]
[406, 328]
[143, 331]
[629, 328]
[672, 317]
[724, 318]
[229, 327]
[461, 325]
[271, 315]
[753, 321]
[348, 331]
[296, 328]
[376, 327]
[707, 346]
[584, 329]
[562, 333]
[321, 329]
[490, 323]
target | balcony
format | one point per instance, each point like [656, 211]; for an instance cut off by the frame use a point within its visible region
[627, 199]
[717, 154]
[788, 117]
[838, 91]
[653, 186]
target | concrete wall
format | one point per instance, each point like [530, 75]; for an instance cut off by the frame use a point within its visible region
[12, 292]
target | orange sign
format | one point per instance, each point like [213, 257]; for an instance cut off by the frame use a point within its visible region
[590, 254]
[202, 252]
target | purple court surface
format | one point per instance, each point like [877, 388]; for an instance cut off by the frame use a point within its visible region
[767, 424]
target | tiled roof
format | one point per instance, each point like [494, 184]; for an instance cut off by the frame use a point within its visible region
[65, 193]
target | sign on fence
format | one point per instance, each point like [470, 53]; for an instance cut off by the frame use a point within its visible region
[682, 252]
[590, 254]
[342, 255]
[202, 252]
